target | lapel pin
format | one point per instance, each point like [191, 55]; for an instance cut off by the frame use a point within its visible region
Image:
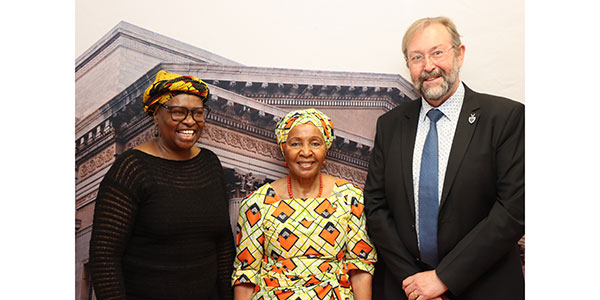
[472, 119]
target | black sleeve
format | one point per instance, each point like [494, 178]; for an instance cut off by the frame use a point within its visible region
[225, 249]
[380, 222]
[225, 253]
[495, 235]
[114, 216]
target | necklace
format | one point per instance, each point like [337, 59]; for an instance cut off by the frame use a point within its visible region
[289, 182]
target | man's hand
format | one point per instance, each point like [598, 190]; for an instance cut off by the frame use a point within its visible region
[424, 286]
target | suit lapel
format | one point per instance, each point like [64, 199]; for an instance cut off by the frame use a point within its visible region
[462, 138]
[409, 133]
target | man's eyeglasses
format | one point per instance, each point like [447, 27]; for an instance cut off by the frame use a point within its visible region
[180, 113]
[418, 59]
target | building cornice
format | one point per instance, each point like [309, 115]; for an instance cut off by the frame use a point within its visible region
[261, 75]
[122, 118]
[124, 33]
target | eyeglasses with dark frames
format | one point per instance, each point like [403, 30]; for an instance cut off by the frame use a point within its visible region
[180, 113]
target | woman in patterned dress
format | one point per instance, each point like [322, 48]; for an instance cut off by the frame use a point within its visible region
[303, 236]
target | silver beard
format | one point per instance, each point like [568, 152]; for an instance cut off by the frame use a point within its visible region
[438, 92]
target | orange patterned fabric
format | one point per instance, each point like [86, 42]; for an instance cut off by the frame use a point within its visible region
[302, 248]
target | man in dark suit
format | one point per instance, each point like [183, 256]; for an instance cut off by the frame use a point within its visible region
[445, 191]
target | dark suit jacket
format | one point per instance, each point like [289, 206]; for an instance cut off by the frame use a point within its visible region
[481, 215]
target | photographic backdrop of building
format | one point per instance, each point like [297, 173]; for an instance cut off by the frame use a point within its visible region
[246, 103]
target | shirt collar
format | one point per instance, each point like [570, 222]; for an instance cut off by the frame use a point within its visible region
[450, 108]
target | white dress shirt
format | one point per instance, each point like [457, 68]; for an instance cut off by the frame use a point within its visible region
[446, 127]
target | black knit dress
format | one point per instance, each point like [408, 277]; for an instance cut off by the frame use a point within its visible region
[161, 230]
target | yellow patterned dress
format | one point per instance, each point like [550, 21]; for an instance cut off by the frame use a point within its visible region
[302, 248]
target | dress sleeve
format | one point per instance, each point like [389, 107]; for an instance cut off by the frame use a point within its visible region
[225, 252]
[114, 216]
[360, 252]
[249, 240]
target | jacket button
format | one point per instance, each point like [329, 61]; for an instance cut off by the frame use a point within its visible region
[412, 227]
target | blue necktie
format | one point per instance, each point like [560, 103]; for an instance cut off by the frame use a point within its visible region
[428, 193]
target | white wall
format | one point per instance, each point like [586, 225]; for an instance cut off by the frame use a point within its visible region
[350, 35]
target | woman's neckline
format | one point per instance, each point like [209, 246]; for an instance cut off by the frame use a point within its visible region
[167, 159]
[333, 192]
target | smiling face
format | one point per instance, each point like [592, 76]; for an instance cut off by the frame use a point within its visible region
[305, 151]
[181, 136]
[436, 79]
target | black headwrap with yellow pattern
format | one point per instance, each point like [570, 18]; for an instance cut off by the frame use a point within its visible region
[167, 85]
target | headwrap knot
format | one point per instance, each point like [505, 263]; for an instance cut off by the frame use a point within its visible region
[167, 85]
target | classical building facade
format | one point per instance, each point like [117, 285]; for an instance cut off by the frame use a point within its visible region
[246, 103]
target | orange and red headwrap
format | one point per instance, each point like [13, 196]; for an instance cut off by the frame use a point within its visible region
[303, 116]
[167, 85]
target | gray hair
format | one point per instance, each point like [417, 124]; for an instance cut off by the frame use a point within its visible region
[422, 23]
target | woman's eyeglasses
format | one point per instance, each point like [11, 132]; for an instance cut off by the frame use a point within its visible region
[180, 113]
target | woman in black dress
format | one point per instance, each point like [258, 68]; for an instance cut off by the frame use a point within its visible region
[161, 223]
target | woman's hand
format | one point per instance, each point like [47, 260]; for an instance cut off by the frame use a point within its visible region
[361, 284]
[243, 291]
